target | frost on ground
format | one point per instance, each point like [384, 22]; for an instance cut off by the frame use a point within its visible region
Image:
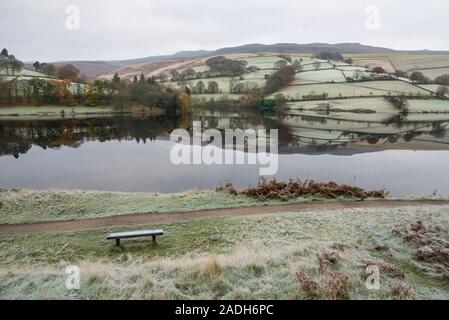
[298, 255]
[24, 206]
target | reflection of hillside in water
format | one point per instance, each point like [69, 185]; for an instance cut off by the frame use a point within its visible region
[323, 132]
[344, 133]
[17, 137]
[299, 132]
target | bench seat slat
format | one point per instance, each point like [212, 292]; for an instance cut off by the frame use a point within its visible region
[135, 234]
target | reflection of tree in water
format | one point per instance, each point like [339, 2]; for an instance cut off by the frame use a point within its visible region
[17, 137]
[396, 120]
[438, 131]
[328, 136]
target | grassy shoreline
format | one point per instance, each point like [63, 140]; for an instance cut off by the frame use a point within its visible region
[26, 206]
[267, 256]
[31, 206]
[257, 257]
[52, 111]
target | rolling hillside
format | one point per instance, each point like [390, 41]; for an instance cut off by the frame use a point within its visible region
[96, 68]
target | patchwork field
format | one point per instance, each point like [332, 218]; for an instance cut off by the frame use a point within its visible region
[250, 80]
[367, 88]
[400, 61]
[316, 76]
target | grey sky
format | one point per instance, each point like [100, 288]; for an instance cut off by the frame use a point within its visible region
[118, 29]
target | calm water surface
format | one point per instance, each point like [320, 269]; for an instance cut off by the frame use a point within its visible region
[405, 155]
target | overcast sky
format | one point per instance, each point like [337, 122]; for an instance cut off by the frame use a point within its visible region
[119, 29]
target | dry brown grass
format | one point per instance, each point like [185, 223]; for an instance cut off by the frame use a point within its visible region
[402, 292]
[386, 269]
[431, 247]
[211, 267]
[267, 190]
[328, 284]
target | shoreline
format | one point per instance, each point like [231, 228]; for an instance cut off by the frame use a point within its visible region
[61, 112]
[18, 206]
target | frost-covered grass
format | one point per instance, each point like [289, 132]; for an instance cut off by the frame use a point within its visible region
[433, 105]
[310, 66]
[319, 76]
[434, 72]
[349, 71]
[432, 87]
[23, 74]
[33, 206]
[263, 61]
[367, 88]
[257, 257]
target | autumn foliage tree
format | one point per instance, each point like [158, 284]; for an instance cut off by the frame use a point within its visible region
[67, 72]
[185, 101]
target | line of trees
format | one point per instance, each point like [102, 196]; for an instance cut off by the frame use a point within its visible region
[62, 72]
[329, 55]
[9, 63]
[221, 66]
[149, 93]
[280, 79]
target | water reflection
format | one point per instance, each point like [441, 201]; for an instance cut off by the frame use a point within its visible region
[299, 132]
[17, 137]
[406, 154]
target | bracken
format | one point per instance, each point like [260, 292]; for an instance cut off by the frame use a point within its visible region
[292, 189]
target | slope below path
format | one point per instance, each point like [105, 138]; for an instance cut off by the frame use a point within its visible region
[140, 219]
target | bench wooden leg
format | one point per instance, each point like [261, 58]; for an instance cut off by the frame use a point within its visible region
[154, 239]
[117, 242]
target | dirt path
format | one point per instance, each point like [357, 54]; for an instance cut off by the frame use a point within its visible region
[160, 218]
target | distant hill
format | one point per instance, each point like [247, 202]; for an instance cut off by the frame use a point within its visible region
[95, 68]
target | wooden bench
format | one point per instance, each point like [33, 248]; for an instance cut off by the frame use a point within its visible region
[135, 234]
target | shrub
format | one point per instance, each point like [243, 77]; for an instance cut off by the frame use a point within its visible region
[442, 80]
[379, 70]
